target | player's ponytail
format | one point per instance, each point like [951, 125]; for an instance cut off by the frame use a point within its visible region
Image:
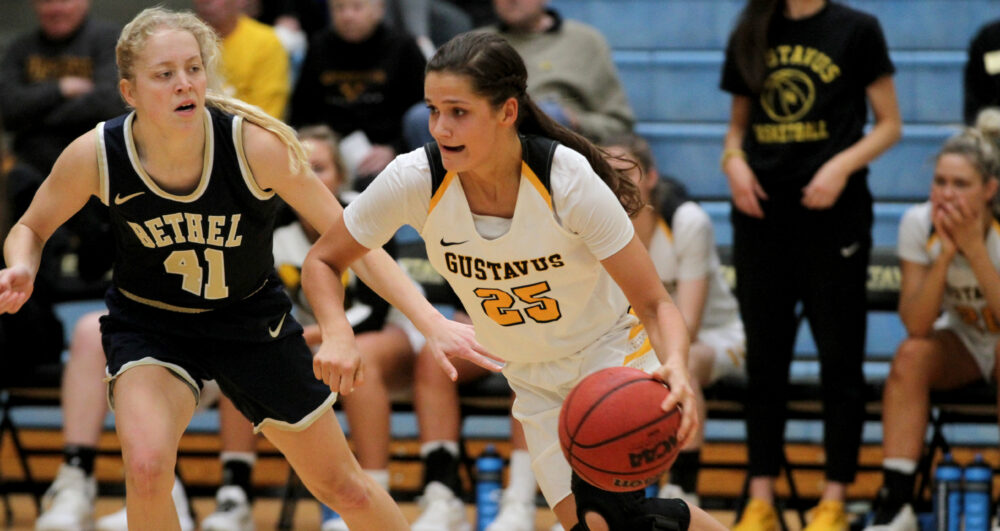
[497, 72]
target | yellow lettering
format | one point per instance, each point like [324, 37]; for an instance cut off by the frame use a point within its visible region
[175, 221]
[831, 73]
[793, 132]
[141, 234]
[155, 227]
[234, 240]
[796, 58]
[215, 224]
[772, 59]
[783, 52]
[194, 232]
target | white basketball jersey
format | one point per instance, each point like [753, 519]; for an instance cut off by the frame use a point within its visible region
[685, 249]
[536, 293]
[964, 304]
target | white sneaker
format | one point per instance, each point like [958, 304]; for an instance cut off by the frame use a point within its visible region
[442, 510]
[68, 504]
[669, 491]
[118, 521]
[334, 524]
[515, 514]
[904, 520]
[557, 527]
[232, 511]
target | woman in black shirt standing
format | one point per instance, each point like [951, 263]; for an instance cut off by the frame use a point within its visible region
[802, 74]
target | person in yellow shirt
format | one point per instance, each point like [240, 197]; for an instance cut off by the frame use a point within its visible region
[254, 63]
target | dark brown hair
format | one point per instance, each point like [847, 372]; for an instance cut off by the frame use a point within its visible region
[749, 40]
[497, 73]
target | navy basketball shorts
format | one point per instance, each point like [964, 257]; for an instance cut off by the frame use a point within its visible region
[269, 379]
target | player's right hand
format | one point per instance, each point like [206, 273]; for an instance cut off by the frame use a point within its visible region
[747, 191]
[16, 285]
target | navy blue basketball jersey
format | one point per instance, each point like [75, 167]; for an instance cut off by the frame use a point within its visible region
[194, 251]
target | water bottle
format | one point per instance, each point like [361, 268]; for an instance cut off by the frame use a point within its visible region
[948, 495]
[489, 468]
[978, 480]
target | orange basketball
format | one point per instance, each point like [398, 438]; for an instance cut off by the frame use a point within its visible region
[613, 432]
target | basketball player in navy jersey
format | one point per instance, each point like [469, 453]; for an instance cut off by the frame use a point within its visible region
[525, 220]
[190, 179]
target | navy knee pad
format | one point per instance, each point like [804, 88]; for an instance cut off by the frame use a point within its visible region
[628, 511]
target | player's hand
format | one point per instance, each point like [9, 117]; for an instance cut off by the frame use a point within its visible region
[676, 376]
[746, 190]
[458, 340]
[16, 286]
[825, 187]
[942, 228]
[73, 86]
[338, 364]
[964, 224]
[376, 160]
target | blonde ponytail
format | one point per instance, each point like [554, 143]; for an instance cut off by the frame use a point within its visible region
[297, 156]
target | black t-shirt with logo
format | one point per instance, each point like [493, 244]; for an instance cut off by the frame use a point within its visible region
[812, 105]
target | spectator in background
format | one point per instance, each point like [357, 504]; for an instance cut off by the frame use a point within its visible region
[982, 71]
[796, 156]
[56, 82]
[570, 72]
[431, 22]
[949, 251]
[254, 62]
[679, 237]
[359, 77]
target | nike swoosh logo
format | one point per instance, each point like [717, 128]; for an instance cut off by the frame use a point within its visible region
[119, 199]
[277, 329]
[846, 252]
[449, 244]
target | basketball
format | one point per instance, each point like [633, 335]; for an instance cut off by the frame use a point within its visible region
[613, 432]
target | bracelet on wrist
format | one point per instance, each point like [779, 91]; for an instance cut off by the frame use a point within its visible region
[728, 154]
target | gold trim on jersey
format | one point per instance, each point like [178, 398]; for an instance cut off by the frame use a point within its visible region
[241, 156]
[206, 168]
[161, 305]
[102, 167]
[931, 241]
[662, 224]
[996, 226]
[440, 191]
[533, 179]
[304, 422]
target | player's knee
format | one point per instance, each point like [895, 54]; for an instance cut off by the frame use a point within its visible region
[149, 472]
[343, 492]
[909, 359]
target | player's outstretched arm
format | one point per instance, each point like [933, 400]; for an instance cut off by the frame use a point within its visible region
[73, 180]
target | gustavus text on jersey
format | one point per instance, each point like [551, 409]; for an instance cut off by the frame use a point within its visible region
[475, 267]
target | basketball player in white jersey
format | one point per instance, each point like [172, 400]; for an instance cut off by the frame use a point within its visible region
[526, 222]
[949, 251]
[680, 240]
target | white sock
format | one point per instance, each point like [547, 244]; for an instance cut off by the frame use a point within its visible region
[430, 446]
[900, 464]
[247, 457]
[380, 475]
[521, 478]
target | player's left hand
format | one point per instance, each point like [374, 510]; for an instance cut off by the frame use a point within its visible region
[676, 376]
[825, 187]
[16, 286]
[338, 364]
